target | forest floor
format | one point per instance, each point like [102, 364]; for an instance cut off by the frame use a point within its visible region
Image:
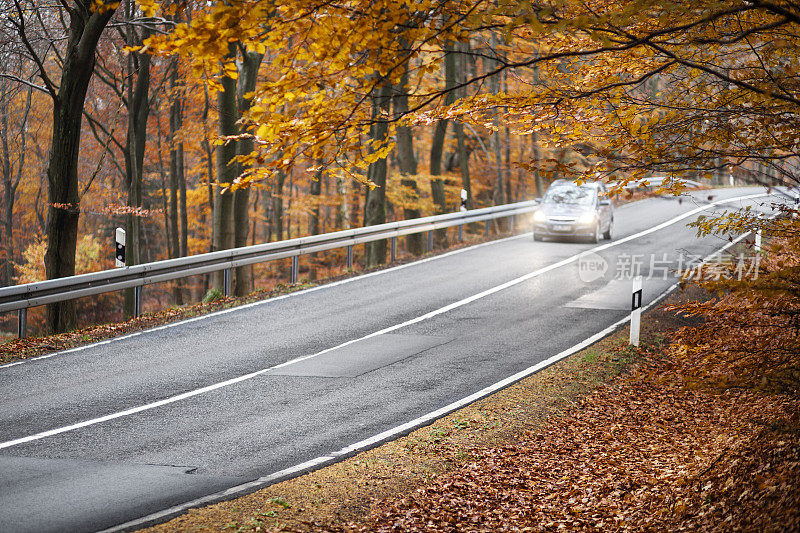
[610, 438]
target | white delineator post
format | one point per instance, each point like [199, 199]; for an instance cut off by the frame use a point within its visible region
[758, 238]
[463, 209]
[758, 232]
[119, 237]
[636, 310]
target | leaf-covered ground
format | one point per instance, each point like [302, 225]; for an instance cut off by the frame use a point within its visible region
[642, 453]
[608, 440]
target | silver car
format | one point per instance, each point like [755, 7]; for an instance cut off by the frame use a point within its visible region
[569, 210]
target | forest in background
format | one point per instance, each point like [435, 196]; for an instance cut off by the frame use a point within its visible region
[200, 126]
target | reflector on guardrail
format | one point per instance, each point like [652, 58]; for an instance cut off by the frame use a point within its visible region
[120, 252]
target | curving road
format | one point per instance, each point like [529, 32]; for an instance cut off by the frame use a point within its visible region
[110, 433]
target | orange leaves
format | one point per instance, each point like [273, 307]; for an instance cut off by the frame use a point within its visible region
[102, 6]
[641, 454]
[749, 335]
[642, 86]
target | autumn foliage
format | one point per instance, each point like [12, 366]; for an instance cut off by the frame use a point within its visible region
[749, 332]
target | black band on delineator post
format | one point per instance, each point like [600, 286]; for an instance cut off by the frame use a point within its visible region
[636, 300]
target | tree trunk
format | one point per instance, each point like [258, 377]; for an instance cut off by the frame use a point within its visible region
[11, 176]
[6, 265]
[8, 195]
[248, 75]
[289, 206]
[86, 26]
[209, 157]
[226, 169]
[164, 189]
[537, 178]
[266, 221]
[184, 241]
[463, 152]
[437, 143]
[498, 187]
[277, 205]
[507, 148]
[406, 160]
[136, 138]
[375, 210]
[315, 190]
[342, 219]
[175, 173]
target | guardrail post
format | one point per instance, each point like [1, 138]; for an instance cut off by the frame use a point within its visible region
[461, 233]
[295, 268]
[511, 224]
[22, 323]
[394, 249]
[350, 257]
[430, 241]
[226, 282]
[137, 301]
[486, 228]
[757, 244]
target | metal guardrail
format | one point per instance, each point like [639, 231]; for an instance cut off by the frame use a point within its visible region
[21, 297]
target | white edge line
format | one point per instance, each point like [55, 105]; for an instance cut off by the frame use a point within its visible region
[426, 316]
[390, 434]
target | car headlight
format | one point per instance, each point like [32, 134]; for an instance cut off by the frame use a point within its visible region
[587, 218]
[539, 216]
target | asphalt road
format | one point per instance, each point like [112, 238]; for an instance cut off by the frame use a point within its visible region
[100, 436]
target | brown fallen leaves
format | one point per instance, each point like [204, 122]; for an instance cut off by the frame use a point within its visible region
[641, 454]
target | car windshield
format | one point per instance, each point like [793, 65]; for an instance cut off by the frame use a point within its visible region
[569, 195]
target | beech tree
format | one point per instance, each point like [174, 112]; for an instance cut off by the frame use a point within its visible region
[687, 89]
[75, 60]
[15, 108]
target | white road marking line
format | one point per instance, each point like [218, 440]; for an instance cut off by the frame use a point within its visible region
[392, 433]
[426, 316]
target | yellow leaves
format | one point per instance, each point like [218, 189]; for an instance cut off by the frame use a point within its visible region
[230, 71]
[258, 47]
[102, 6]
[264, 132]
[149, 7]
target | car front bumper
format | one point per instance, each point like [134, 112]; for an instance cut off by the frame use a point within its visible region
[564, 229]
